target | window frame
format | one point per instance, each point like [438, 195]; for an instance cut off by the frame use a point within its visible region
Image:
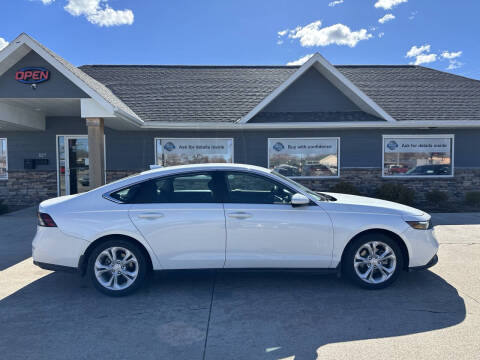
[225, 174]
[108, 196]
[416, 136]
[4, 178]
[191, 138]
[337, 138]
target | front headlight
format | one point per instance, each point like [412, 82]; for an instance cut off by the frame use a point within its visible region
[419, 225]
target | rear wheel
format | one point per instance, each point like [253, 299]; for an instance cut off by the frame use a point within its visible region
[117, 267]
[373, 261]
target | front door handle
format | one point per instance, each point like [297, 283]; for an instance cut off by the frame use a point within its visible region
[150, 216]
[239, 215]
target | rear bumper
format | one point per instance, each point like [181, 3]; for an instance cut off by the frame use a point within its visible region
[431, 263]
[52, 247]
[54, 267]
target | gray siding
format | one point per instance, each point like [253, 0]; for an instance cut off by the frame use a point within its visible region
[58, 86]
[134, 150]
[311, 92]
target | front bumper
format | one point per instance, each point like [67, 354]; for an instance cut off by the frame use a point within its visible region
[431, 263]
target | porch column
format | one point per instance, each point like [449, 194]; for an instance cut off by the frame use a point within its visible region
[96, 154]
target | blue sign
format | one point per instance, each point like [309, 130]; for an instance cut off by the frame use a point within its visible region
[278, 146]
[169, 146]
[392, 145]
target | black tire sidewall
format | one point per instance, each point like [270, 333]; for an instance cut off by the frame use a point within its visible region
[142, 266]
[348, 260]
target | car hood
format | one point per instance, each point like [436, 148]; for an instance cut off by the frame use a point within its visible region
[371, 205]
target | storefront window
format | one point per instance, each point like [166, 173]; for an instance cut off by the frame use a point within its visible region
[171, 152]
[3, 159]
[411, 156]
[304, 157]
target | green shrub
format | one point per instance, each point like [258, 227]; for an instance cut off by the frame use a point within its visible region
[397, 193]
[472, 198]
[344, 187]
[3, 207]
[436, 197]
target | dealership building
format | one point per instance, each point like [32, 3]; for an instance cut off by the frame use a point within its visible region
[65, 129]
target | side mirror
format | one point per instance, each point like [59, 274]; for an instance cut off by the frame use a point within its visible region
[299, 200]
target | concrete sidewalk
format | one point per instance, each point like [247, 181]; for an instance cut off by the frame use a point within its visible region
[243, 315]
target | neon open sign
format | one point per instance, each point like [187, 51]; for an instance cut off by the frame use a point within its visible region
[32, 75]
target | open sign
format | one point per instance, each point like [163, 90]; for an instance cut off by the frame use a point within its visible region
[32, 75]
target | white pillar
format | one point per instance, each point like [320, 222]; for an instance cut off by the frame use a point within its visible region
[96, 152]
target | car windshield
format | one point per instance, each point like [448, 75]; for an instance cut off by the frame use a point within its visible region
[315, 195]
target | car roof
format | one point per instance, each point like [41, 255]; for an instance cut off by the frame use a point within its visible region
[203, 167]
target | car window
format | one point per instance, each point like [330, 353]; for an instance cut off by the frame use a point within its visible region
[245, 188]
[188, 188]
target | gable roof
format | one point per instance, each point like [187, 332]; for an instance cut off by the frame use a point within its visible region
[223, 94]
[335, 77]
[95, 89]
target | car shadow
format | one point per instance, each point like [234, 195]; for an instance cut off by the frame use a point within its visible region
[249, 315]
[277, 316]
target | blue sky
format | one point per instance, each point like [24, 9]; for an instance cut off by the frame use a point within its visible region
[435, 33]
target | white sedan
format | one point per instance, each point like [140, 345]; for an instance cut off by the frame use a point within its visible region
[215, 216]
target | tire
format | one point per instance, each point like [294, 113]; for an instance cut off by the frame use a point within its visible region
[373, 273]
[106, 262]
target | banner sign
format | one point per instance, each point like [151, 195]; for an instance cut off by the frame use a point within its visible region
[303, 146]
[417, 145]
[197, 146]
[32, 75]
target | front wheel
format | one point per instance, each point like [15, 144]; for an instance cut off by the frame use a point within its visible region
[117, 267]
[373, 261]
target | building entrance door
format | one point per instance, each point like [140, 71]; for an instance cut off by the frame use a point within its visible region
[73, 164]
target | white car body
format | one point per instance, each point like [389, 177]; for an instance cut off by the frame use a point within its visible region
[220, 235]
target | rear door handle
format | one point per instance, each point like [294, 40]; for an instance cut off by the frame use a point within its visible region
[150, 216]
[239, 215]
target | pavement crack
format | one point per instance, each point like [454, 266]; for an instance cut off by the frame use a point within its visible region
[209, 315]
[432, 311]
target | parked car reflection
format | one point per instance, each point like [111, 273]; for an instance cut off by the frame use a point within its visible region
[430, 170]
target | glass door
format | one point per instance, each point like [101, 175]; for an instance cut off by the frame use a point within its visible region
[73, 163]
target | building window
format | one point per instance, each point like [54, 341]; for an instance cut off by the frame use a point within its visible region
[3, 159]
[305, 157]
[169, 152]
[417, 156]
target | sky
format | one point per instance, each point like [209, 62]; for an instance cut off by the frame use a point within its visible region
[436, 33]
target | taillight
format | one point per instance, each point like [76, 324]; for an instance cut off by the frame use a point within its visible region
[45, 220]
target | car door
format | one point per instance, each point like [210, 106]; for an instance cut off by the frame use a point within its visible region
[265, 231]
[182, 219]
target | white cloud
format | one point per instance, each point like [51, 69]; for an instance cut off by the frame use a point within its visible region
[452, 59]
[380, 35]
[413, 14]
[335, 3]
[386, 18]
[300, 61]
[425, 59]
[451, 55]
[283, 32]
[421, 54]
[97, 12]
[314, 35]
[415, 51]
[3, 43]
[454, 64]
[388, 4]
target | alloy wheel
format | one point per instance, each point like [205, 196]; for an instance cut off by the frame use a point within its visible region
[375, 262]
[116, 268]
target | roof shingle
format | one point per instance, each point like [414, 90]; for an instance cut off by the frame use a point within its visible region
[226, 93]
